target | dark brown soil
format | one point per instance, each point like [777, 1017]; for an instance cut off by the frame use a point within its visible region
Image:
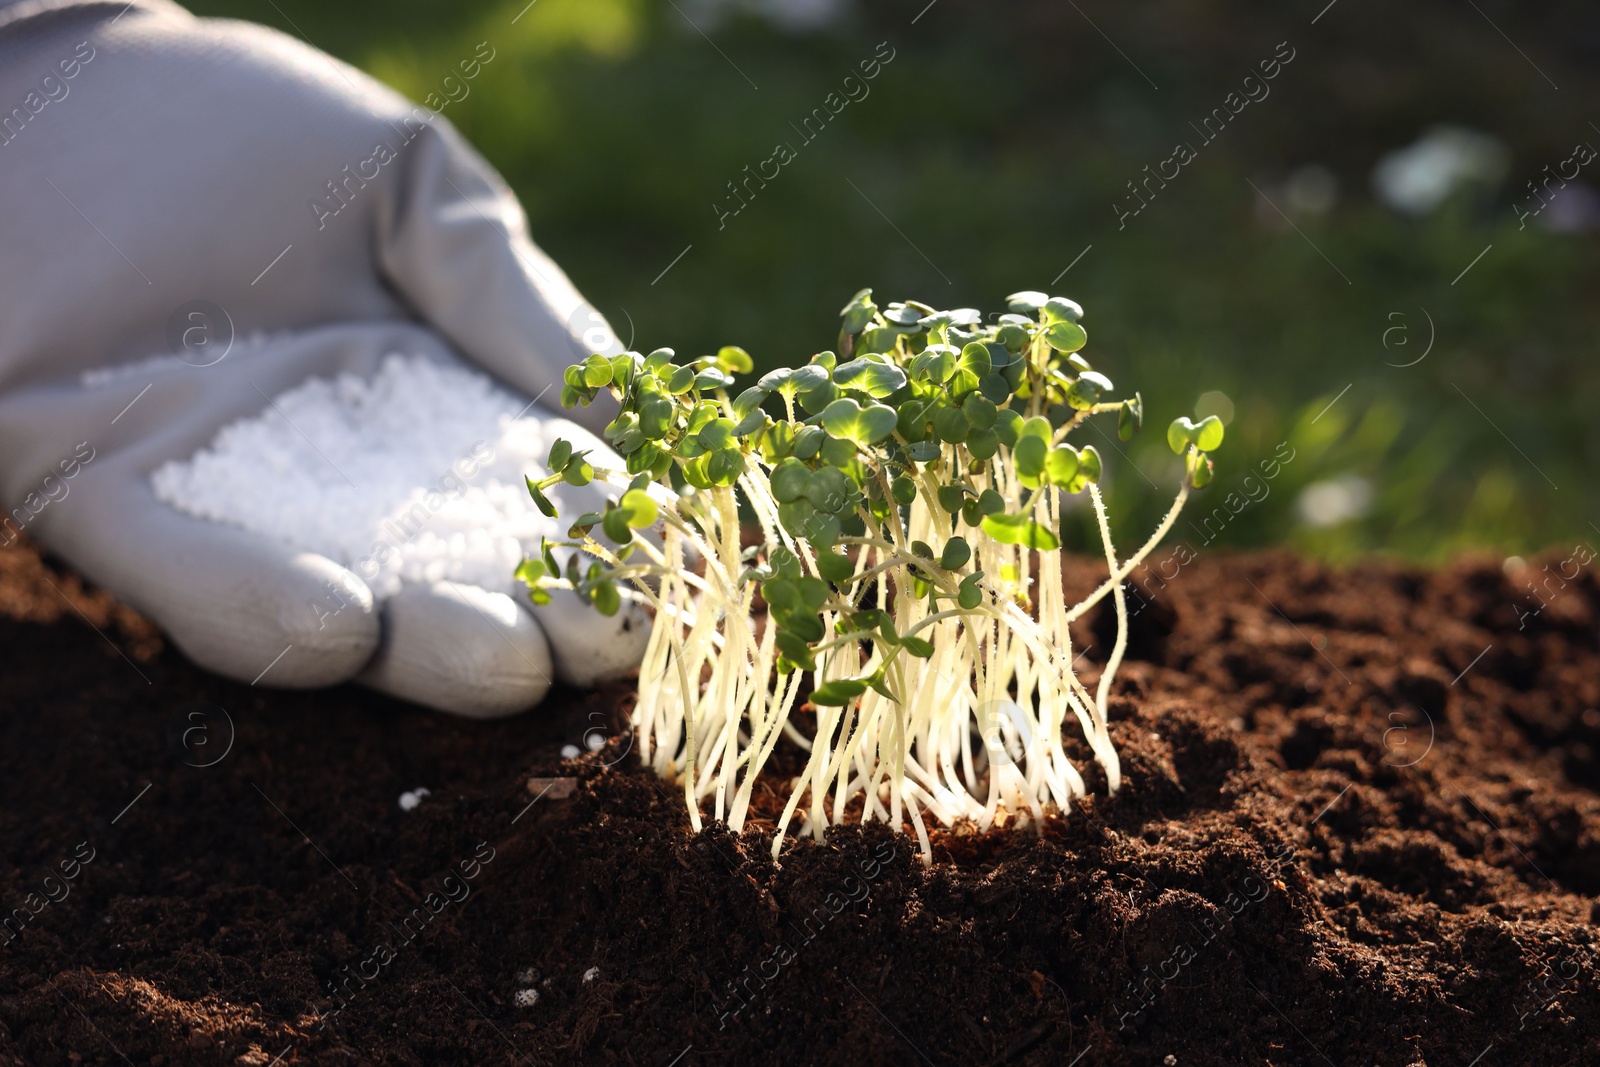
[1359, 826]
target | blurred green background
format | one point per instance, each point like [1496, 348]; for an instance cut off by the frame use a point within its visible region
[996, 148]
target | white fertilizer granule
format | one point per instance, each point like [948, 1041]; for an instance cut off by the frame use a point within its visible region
[415, 475]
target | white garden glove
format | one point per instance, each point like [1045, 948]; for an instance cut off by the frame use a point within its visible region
[151, 161]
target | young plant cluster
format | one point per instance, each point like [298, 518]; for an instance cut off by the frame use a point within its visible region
[908, 489]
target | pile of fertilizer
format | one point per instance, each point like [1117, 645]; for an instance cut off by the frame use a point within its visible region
[415, 475]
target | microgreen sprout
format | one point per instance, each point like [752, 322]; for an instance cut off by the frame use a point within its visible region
[909, 490]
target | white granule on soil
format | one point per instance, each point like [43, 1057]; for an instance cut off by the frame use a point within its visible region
[415, 475]
[527, 998]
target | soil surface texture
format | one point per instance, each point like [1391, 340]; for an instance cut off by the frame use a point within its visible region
[1358, 825]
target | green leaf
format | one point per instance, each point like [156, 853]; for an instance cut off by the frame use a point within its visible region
[936, 363]
[778, 442]
[702, 415]
[578, 472]
[560, 452]
[912, 421]
[917, 647]
[583, 524]
[1012, 336]
[655, 417]
[615, 524]
[796, 515]
[1027, 302]
[623, 369]
[904, 490]
[813, 592]
[696, 471]
[1060, 309]
[834, 567]
[951, 425]
[991, 502]
[808, 440]
[712, 378]
[597, 372]
[777, 380]
[1065, 336]
[804, 379]
[982, 444]
[1084, 393]
[980, 411]
[734, 360]
[716, 434]
[870, 376]
[869, 619]
[789, 479]
[1020, 529]
[529, 571]
[1098, 380]
[956, 554]
[794, 647]
[658, 359]
[749, 400]
[723, 467]
[970, 594]
[901, 315]
[638, 509]
[950, 497]
[1089, 464]
[995, 389]
[1039, 427]
[837, 692]
[1062, 464]
[1008, 425]
[781, 595]
[1130, 417]
[1179, 433]
[822, 529]
[1029, 457]
[975, 358]
[838, 452]
[606, 598]
[857, 314]
[829, 491]
[1208, 434]
[681, 380]
[540, 501]
[752, 422]
[865, 426]
[807, 626]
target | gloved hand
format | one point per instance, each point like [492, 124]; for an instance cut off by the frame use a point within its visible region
[157, 166]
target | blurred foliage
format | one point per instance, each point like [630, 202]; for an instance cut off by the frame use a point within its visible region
[987, 157]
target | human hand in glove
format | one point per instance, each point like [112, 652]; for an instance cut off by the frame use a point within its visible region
[170, 178]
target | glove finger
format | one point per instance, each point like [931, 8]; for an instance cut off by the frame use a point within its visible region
[588, 647]
[236, 603]
[460, 649]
